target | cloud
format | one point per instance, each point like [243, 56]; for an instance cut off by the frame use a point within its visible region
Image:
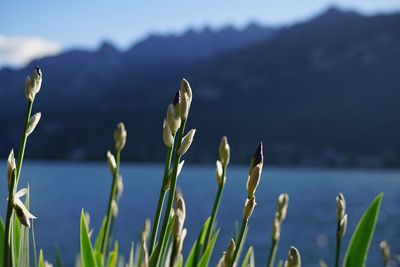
[19, 51]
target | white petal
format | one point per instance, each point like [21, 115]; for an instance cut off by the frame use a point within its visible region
[21, 192]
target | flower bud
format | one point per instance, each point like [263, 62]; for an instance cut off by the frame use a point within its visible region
[219, 174]
[221, 262]
[224, 151]
[230, 251]
[179, 220]
[178, 172]
[342, 227]
[253, 180]
[33, 84]
[177, 98]
[112, 164]
[258, 156]
[186, 142]
[340, 206]
[10, 166]
[21, 211]
[276, 229]
[293, 259]
[167, 135]
[249, 207]
[186, 99]
[114, 208]
[120, 136]
[179, 245]
[385, 249]
[33, 121]
[120, 187]
[146, 231]
[173, 119]
[283, 202]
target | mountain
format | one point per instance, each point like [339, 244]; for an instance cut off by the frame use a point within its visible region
[319, 92]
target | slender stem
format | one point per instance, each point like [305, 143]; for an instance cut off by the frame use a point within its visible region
[163, 191]
[272, 253]
[337, 258]
[214, 212]
[171, 194]
[13, 188]
[239, 242]
[106, 236]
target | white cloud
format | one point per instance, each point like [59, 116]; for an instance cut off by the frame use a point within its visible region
[19, 51]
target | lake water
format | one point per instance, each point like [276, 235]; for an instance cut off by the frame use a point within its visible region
[59, 191]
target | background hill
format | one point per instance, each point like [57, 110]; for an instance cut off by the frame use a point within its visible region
[320, 92]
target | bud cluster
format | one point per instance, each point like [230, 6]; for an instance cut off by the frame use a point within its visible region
[341, 215]
[280, 215]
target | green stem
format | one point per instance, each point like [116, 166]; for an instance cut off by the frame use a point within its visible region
[272, 253]
[104, 244]
[337, 245]
[161, 198]
[239, 242]
[171, 194]
[214, 212]
[13, 187]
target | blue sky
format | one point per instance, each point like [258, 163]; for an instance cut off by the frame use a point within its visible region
[58, 25]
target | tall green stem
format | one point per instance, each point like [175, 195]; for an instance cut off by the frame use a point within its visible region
[171, 194]
[337, 258]
[13, 188]
[272, 253]
[106, 236]
[217, 201]
[161, 198]
[239, 242]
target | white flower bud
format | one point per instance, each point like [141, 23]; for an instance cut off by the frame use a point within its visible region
[342, 227]
[249, 207]
[167, 135]
[186, 142]
[173, 119]
[21, 211]
[219, 173]
[276, 229]
[294, 259]
[33, 121]
[385, 249]
[112, 164]
[283, 202]
[114, 208]
[33, 84]
[179, 220]
[230, 251]
[224, 151]
[253, 180]
[340, 206]
[120, 187]
[10, 166]
[120, 135]
[186, 99]
[179, 245]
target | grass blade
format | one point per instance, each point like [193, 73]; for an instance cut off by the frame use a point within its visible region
[113, 257]
[41, 259]
[87, 255]
[2, 229]
[24, 238]
[100, 235]
[197, 246]
[357, 251]
[248, 260]
[58, 257]
[208, 252]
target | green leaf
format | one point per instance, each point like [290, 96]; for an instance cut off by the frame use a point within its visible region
[357, 251]
[159, 253]
[113, 257]
[34, 245]
[99, 258]
[16, 229]
[58, 257]
[100, 235]
[248, 260]
[87, 255]
[280, 263]
[2, 230]
[41, 259]
[24, 238]
[180, 262]
[208, 252]
[197, 246]
[132, 256]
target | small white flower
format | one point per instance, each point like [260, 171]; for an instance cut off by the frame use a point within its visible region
[120, 135]
[186, 142]
[219, 173]
[33, 84]
[33, 121]
[22, 212]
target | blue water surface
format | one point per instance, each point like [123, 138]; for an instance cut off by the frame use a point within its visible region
[59, 190]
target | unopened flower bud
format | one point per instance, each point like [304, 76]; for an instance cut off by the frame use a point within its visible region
[276, 229]
[230, 251]
[173, 119]
[114, 208]
[21, 211]
[120, 187]
[120, 136]
[179, 220]
[249, 207]
[283, 202]
[224, 151]
[258, 155]
[10, 166]
[33, 84]
[112, 164]
[219, 173]
[146, 231]
[253, 180]
[186, 99]
[167, 135]
[385, 249]
[33, 121]
[342, 227]
[177, 98]
[221, 262]
[293, 259]
[178, 172]
[340, 206]
[179, 245]
[186, 142]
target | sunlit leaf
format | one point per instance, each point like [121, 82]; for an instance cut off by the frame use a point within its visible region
[87, 255]
[208, 252]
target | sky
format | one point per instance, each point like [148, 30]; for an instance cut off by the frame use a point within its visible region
[30, 29]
